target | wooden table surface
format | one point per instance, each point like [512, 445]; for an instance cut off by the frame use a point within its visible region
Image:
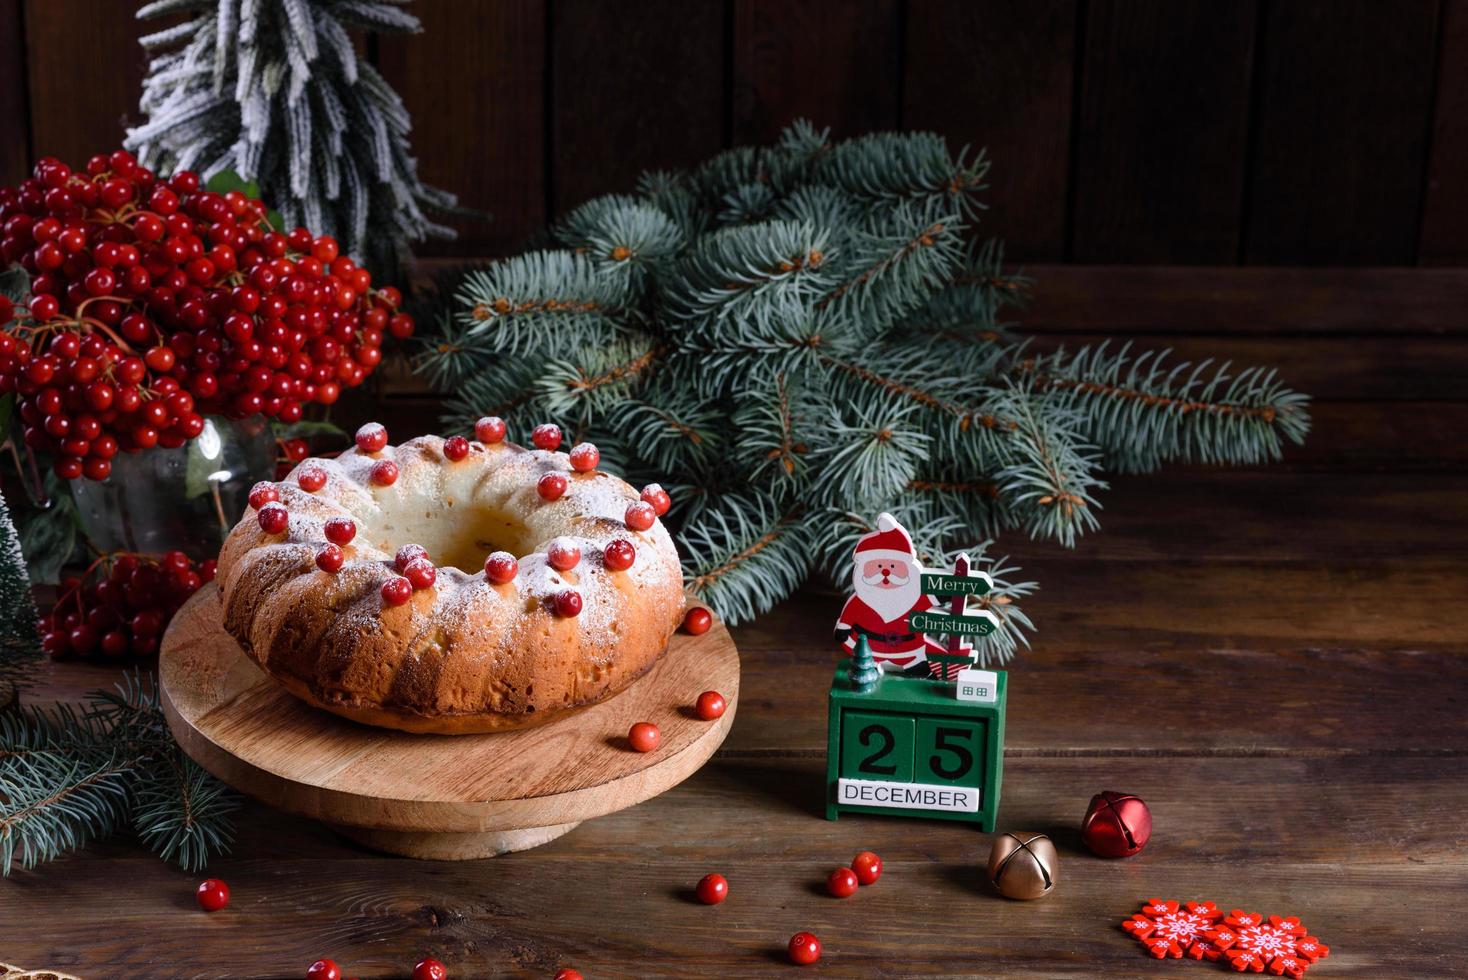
[1274, 658]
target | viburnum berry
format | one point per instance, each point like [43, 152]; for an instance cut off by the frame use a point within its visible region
[430, 969]
[490, 430]
[501, 567]
[330, 558]
[644, 736]
[212, 894]
[384, 473]
[710, 705]
[697, 621]
[804, 948]
[324, 970]
[396, 591]
[562, 554]
[340, 530]
[546, 436]
[120, 605]
[551, 486]
[455, 448]
[273, 518]
[619, 554]
[567, 603]
[655, 495]
[311, 478]
[842, 883]
[372, 437]
[420, 573]
[568, 974]
[712, 889]
[585, 457]
[408, 554]
[640, 516]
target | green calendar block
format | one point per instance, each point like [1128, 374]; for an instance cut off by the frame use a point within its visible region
[911, 747]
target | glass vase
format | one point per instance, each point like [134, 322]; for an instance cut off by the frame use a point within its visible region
[185, 499]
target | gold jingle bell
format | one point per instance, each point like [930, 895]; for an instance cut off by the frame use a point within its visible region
[1023, 865]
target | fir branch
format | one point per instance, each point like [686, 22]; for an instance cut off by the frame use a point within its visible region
[1144, 412]
[743, 556]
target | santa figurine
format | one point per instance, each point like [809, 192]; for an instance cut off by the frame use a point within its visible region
[887, 579]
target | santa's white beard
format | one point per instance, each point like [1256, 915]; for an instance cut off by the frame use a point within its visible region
[890, 603]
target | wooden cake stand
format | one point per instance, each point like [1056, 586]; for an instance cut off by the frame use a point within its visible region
[446, 797]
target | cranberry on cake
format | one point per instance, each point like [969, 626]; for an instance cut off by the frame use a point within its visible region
[431, 587]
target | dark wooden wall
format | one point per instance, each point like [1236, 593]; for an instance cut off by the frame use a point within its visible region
[1279, 132]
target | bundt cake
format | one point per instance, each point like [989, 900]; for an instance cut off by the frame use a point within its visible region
[452, 586]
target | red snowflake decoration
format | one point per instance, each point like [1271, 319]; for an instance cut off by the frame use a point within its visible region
[1252, 942]
[1169, 928]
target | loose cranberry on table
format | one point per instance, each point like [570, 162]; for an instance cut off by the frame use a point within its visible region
[569, 974]
[697, 621]
[868, 867]
[212, 894]
[430, 970]
[644, 736]
[710, 705]
[804, 948]
[842, 883]
[324, 970]
[712, 889]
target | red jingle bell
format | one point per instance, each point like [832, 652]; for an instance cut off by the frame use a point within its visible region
[1117, 825]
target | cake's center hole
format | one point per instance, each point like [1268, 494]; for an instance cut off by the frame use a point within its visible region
[458, 536]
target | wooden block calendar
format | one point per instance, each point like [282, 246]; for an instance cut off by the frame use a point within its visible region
[910, 746]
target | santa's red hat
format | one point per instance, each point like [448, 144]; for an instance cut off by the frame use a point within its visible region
[889, 541]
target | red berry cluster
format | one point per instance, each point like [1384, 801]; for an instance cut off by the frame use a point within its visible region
[120, 606]
[156, 301]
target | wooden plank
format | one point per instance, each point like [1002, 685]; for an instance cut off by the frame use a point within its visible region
[1444, 237]
[999, 75]
[606, 61]
[85, 72]
[298, 893]
[1345, 100]
[15, 131]
[1161, 143]
[1179, 299]
[474, 80]
[830, 61]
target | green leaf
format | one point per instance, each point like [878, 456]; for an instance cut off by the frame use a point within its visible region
[227, 180]
[15, 284]
[48, 534]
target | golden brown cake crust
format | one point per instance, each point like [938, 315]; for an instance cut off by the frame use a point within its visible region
[463, 655]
